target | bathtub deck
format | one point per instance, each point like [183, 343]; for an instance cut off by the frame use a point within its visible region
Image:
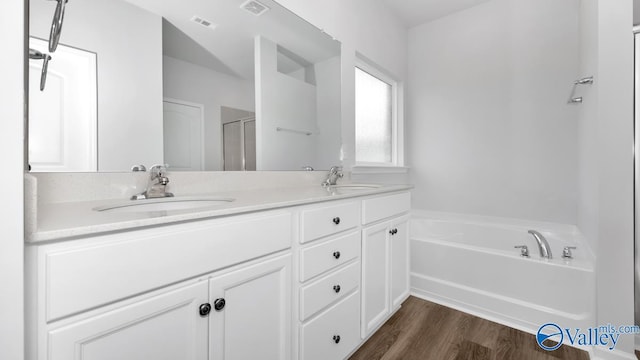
[422, 330]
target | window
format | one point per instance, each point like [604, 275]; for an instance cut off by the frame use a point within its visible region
[376, 118]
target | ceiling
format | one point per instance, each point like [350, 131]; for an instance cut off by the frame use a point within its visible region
[416, 12]
[229, 48]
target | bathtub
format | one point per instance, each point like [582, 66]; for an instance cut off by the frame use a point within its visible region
[470, 263]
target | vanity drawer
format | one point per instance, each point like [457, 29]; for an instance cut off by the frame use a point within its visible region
[317, 259]
[92, 272]
[383, 207]
[316, 296]
[334, 333]
[322, 221]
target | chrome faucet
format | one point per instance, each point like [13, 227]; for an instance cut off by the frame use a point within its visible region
[543, 245]
[157, 184]
[335, 173]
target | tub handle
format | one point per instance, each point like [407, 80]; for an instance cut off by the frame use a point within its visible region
[566, 252]
[524, 250]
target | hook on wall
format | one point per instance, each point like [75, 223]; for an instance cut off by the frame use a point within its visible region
[578, 99]
[56, 25]
[37, 55]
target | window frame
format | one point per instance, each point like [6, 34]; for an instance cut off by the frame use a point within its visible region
[397, 158]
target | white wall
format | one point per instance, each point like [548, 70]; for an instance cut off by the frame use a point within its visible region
[128, 43]
[306, 100]
[282, 102]
[365, 26]
[11, 182]
[329, 137]
[490, 132]
[605, 213]
[588, 147]
[197, 84]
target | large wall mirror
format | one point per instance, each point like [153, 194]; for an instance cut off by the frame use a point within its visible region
[200, 85]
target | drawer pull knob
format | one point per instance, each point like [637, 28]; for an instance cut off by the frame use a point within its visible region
[336, 255]
[219, 304]
[336, 288]
[336, 338]
[393, 231]
[205, 309]
[336, 220]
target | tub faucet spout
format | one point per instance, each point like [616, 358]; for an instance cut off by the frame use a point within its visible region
[543, 245]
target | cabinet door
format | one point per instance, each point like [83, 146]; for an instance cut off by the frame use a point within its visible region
[255, 321]
[166, 327]
[375, 276]
[399, 241]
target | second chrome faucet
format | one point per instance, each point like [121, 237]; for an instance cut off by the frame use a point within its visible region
[335, 173]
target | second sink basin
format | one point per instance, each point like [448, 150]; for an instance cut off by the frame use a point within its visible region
[164, 204]
[354, 187]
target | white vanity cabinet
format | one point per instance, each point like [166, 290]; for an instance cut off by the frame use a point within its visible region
[210, 319]
[251, 312]
[385, 258]
[157, 293]
[165, 326]
[329, 280]
[303, 282]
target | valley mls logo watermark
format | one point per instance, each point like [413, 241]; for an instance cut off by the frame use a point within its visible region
[551, 336]
[552, 333]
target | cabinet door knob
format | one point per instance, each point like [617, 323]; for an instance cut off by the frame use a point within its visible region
[393, 231]
[336, 254]
[205, 309]
[336, 288]
[336, 220]
[336, 338]
[219, 304]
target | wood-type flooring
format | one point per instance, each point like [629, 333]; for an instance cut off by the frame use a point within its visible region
[422, 330]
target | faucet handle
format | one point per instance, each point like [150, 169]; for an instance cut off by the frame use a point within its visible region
[566, 252]
[158, 170]
[524, 250]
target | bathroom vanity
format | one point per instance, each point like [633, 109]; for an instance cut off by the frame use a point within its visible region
[277, 267]
[297, 273]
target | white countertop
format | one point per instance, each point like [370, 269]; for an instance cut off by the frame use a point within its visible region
[63, 220]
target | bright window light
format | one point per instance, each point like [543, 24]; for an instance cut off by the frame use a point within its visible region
[374, 119]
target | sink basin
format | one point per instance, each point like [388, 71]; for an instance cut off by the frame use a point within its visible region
[353, 187]
[164, 204]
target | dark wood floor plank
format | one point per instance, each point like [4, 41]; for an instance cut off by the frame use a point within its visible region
[422, 330]
[471, 351]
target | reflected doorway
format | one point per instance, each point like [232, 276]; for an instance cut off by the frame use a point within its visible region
[183, 129]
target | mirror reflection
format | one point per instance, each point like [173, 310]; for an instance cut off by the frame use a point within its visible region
[198, 85]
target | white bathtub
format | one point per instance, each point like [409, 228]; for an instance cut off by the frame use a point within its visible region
[469, 263]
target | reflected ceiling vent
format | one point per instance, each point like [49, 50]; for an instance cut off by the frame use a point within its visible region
[254, 7]
[204, 22]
